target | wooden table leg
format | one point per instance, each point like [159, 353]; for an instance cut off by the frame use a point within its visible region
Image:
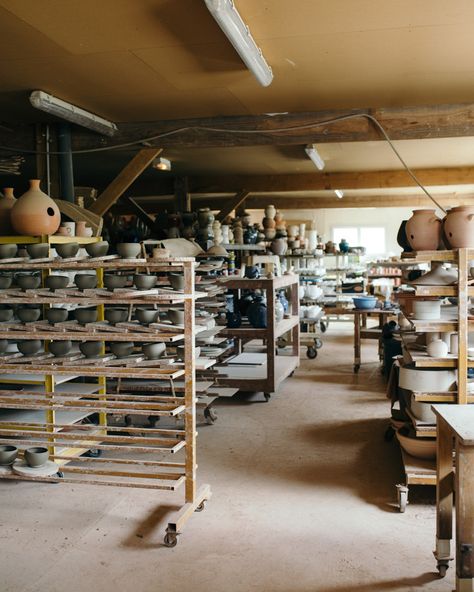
[444, 496]
[464, 517]
[356, 341]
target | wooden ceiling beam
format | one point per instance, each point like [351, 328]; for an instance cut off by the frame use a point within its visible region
[229, 205]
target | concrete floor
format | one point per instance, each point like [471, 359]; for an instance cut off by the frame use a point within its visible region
[303, 501]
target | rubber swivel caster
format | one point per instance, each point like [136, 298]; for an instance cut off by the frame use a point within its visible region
[267, 396]
[201, 507]
[311, 352]
[210, 415]
[171, 539]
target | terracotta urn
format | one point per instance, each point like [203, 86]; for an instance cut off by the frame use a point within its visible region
[423, 230]
[35, 212]
[459, 227]
[270, 211]
[6, 204]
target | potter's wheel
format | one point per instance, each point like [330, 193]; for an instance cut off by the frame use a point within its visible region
[48, 470]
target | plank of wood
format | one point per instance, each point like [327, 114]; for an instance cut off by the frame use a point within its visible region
[232, 204]
[76, 213]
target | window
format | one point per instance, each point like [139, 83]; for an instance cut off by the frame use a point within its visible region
[370, 237]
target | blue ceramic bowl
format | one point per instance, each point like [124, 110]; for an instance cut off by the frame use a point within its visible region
[365, 302]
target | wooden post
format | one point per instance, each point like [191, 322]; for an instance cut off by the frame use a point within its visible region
[182, 197]
[464, 516]
[463, 331]
[190, 386]
[444, 490]
[233, 204]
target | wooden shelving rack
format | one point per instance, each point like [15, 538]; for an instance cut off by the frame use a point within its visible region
[418, 471]
[127, 456]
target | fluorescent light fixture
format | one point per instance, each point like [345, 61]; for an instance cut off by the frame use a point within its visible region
[315, 156]
[339, 193]
[49, 104]
[162, 164]
[230, 21]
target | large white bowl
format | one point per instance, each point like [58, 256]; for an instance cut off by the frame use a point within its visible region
[418, 447]
[422, 411]
[425, 380]
[427, 310]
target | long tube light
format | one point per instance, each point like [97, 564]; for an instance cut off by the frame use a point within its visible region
[50, 104]
[315, 156]
[238, 33]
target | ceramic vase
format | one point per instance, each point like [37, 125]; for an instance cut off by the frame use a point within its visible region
[6, 204]
[312, 239]
[279, 246]
[270, 212]
[293, 231]
[459, 227]
[279, 221]
[279, 310]
[302, 230]
[437, 349]
[225, 234]
[257, 313]
[35, 212]
[238, 235]
[423, 230]
[268, 223]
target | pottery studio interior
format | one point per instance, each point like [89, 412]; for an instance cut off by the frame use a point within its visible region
[236, 296]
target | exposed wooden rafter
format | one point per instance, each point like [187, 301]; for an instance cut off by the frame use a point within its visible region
[232, 204]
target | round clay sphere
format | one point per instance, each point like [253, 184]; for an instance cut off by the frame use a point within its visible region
[35, 212]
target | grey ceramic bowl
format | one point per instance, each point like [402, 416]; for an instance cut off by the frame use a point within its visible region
[6, 314]
[28, 281]
[129, 250]
[86, 315]
[56, 315]
[30, 347]
[38, 250]
[5, 281]
[8, 251]
[91, 349]
[60, 348]
[28, 315]
[85, 281]
[67, 249]
[176, 280]
[116, 315]
[176, 316]
[112, 281]
[180, 352]
[36, 456]
[145, 316]
[144, 281]
[3, 345]
[56, 282]
[153, 351]
[97, 249]
[122, 349]
[8, 454]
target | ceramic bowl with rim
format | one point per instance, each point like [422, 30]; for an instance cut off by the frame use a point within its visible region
[60, 348]
[113, 281]
[5, 281]
[56, 315]
[85, 281]
[98, 249]
[67, 250]
[176, 316]
[426, 380]
[422, 411]
[8, 251]
[176, 280]
[116, 315]
[37, 456]
[8, 454]
[28, 314]
[6, 314]
[365, 302]
[129, 250]
[91, 349]
[85, 315]
[56, 282]
[427, 310]
[3, 345]
[145, 316]
[28, 281]
[29, 347]
[144, 281]
[38, 250]
[417, 447]
[180, 352]
[122, 349]
[153, 351]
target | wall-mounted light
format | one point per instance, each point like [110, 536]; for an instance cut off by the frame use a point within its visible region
[161, 164]
[238, 33]
[49, 104]
[315, 156]
[339, 193]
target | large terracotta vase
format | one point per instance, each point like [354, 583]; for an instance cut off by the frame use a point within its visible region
[459, 227]
[35, 212]
[6, 204]
[423, 230]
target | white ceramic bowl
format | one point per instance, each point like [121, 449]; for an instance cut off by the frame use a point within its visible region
[422, 411]
[427, 310]
[418, 447]
[425, 380]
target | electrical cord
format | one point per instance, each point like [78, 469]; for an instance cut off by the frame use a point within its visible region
[176, 131]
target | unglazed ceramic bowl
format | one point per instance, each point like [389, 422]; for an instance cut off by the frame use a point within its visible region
[27, 314]
[129, 250]
[146, 315]
[85, 281]
[113, 281]
[428, 310]
[8, 454]
[6, 314]
[56, 282]
[144, 281]
[426, 380]
[122, 349]
[116, 315]
[28, 281]
[176, 280]
[3, 345]
[60, 348]
[29, 347]
[180, 352]
[153, 351]
[38, 250]
[176, 316]
[85, 315]
[91, 349]
[5, 281]
[97, 249]
[8, 251]
[417, 447]
[56, 315]
[37, 456]
[67, 250]
[422, 411]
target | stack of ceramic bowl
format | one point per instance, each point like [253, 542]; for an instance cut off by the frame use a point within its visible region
[427, 310]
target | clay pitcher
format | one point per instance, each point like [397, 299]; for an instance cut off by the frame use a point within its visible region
[459, 227]
[35, 212]
[6, 204]
[423, 230]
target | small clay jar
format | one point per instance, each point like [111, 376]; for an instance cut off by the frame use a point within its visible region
[423, 230]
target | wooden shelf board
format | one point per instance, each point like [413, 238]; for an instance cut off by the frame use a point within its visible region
[418, 470]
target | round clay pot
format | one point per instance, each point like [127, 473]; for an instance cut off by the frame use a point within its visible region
[112, 281]
[98, 249]
[268, 223]
[122, 349]
[67, 250]
[8, 454]
[60, 348]
[29, 347]
[85, 281]
[37, 456]
[279, 246]
[8, 251]
[153, 351]
[6, 314]
[270, 233]
[35, 212]
[176, 316]
[146, 316]
[91, 349]
[5, 281]
[28, 281]
[144, 281]
[56, 282]
[86, 315]
[28, 315]
[423, 230]
[176, 280]
[6, 204]
[38, 250]
[129, 250]
[56, 315]
[437, 348]
[459, 227]
[116, 315]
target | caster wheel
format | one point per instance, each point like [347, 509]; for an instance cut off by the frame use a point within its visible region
[210, 415]
[128, 420]
[323, 326]
[311, 353]
[402, 494]
[170, 540]
[318, 344]
[60, 474]
[94, 453]
[201, 507]
[267, 396]
[442, 569]
[389, 434]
